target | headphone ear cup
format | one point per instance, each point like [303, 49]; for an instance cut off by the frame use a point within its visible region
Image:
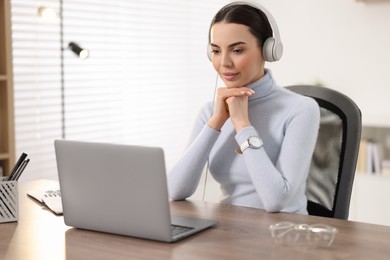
[209, 52]
[268, 47]
[271, 50]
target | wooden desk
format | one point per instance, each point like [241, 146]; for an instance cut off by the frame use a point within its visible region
[242, 233]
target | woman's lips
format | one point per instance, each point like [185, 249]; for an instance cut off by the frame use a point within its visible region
[230, 76]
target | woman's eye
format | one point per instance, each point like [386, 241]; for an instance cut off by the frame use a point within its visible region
[215, 51]
[238, 51]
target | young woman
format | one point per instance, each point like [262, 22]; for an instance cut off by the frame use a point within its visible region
[257, 136]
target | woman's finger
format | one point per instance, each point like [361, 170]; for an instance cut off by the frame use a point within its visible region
[225, 93]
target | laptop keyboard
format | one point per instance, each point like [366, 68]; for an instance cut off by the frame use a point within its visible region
[177, 230]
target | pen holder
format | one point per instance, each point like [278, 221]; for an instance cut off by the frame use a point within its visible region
[9, 201]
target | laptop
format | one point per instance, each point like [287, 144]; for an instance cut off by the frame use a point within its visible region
[119, 189]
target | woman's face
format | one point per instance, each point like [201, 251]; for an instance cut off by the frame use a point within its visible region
[236, 55]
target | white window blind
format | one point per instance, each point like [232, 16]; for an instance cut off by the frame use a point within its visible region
[144, 82]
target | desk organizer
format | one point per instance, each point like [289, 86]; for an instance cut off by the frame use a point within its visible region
[9, 201]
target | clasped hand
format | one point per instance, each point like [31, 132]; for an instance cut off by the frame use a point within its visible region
[233, 103]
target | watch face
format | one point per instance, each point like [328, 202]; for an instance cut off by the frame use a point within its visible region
[255, 142]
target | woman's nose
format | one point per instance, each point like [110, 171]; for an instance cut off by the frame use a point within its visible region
[226, 60]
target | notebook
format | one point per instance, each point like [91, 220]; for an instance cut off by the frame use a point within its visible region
[119, 189]
[48, 197]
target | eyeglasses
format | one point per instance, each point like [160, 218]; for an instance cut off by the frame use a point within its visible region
[288, 233]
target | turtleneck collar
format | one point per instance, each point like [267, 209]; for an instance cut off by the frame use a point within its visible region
[262, 86]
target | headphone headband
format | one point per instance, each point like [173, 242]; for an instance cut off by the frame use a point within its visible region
[272, 47]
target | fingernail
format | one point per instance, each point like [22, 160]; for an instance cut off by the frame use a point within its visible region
[251, 90]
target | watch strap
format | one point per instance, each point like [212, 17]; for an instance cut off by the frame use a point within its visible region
[246, 144]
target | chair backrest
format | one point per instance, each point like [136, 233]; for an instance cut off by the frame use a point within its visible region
[332, 170]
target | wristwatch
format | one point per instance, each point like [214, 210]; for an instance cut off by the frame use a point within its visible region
[253, 142]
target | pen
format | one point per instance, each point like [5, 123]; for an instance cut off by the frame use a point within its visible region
[17, 165]
[21, 169]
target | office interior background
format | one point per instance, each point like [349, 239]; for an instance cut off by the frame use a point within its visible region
[148, 74]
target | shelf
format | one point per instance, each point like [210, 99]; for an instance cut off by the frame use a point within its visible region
[364, 175]
[4, 156]
[7, 131]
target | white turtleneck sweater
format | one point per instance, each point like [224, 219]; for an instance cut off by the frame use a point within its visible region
[272, 177]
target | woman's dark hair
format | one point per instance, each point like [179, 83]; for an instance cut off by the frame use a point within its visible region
[247, 15]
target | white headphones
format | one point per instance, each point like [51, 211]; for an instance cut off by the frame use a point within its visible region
[272, 47]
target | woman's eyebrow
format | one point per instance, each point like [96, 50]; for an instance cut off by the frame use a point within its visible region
[230, 45]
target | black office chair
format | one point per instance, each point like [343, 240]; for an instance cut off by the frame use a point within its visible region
[332, 171]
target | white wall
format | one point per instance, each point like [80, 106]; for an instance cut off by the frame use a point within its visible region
[344, 44]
